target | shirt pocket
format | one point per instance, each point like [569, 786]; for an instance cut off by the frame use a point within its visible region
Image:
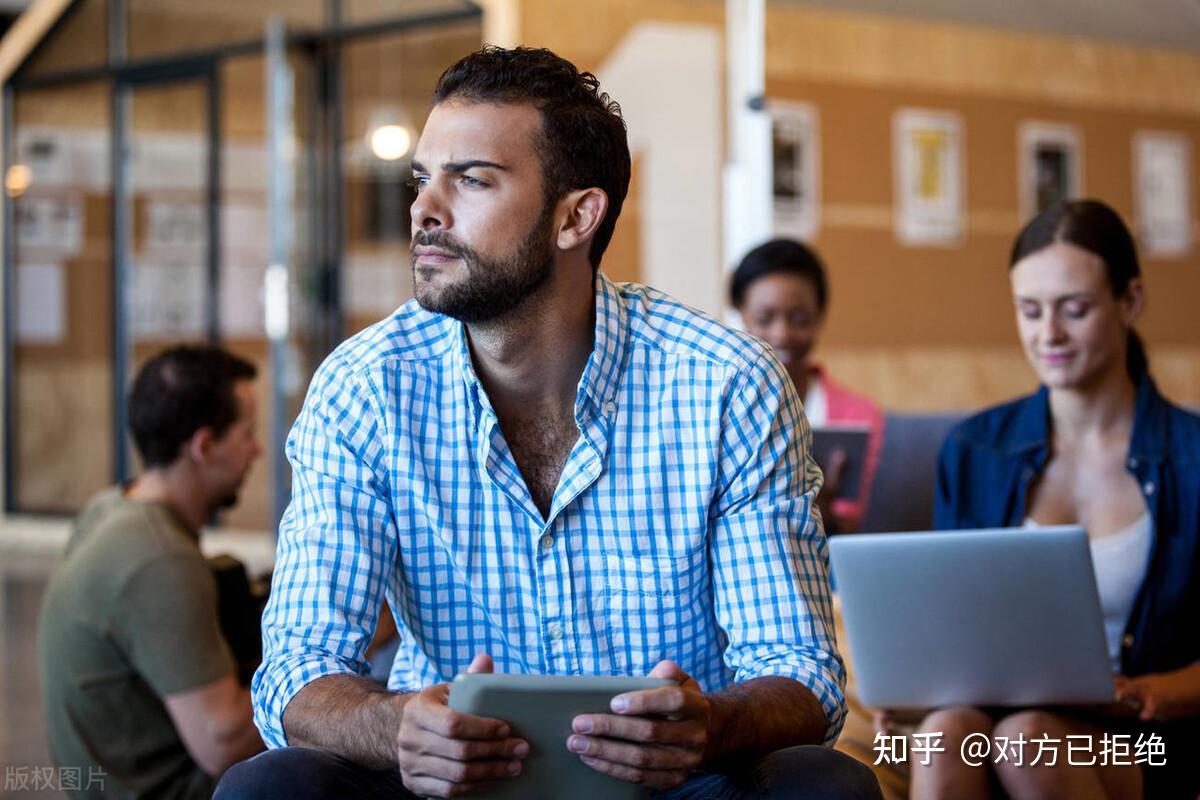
[655, 606]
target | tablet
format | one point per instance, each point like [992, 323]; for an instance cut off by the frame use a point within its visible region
[540, 709]
[850, 439]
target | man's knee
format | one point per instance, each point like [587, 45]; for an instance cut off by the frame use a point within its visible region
[296, 773]
[812, 772]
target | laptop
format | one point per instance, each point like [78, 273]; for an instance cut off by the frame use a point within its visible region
[995, 617]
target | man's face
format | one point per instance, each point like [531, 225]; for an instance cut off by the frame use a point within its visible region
[482, 233]
[236, 448]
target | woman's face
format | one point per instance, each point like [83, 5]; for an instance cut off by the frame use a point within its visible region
[1073, 329]
[782, 310]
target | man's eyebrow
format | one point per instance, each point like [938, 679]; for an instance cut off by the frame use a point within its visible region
[461, 166]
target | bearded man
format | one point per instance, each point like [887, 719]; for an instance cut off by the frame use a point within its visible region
[546, 472]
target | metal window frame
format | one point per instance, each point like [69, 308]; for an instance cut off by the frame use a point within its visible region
[326, 104]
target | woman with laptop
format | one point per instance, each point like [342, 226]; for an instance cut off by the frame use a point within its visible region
[781, 291]
[1097, 446]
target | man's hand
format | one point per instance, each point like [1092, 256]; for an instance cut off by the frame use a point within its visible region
[654, 737]
[443, 753]
[1162, 695]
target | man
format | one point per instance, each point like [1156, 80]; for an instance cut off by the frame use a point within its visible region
[546, 473]
[140, 686]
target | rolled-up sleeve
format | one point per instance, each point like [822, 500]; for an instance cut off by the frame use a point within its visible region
[336, 547]
[768, 549]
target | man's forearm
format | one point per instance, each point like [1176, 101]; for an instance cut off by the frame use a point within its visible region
[762, 715]
[347, 715]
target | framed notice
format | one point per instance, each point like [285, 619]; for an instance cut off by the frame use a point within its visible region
[929, 182]
[1162, 180]
[1051, 166]
[795, 182]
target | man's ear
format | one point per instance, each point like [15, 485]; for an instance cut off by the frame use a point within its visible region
[585, 209]
[199, 447]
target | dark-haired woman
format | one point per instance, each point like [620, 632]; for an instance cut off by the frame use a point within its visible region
[1096, 445]
[781, 292]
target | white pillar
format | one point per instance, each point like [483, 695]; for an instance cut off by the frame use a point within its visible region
[747, 208]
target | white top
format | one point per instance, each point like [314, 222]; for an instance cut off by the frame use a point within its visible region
[1120, 561]
[816, 404]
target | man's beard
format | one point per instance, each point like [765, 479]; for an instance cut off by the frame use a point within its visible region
[493, 288]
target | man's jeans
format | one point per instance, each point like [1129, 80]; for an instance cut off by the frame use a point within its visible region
[796, 773]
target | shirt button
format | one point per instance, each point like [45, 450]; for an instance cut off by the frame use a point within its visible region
[1127, 640]
[555, 631]
[1148, 487]
[1133, 462]
[610, 408]
[546, 542]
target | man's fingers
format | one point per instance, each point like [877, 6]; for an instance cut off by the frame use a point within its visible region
[669, 670]
[472, 749]
[641, 756]
[452, 771]
[481, 663]
[639, 729]
[665, 700]
[450, 724]
[653, 778]
[435, 787]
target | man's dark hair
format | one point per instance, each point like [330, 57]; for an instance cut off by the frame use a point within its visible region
[180, 391]
[785, 256]
[583, 134]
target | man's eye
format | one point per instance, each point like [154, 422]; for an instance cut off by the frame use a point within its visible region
[418, 182]
[471, 181]
[1031, 312]
[1076, 310]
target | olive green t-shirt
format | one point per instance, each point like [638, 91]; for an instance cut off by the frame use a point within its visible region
[128, 619]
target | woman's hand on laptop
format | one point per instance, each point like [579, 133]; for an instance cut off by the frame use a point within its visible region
[1162, 695]
[654, 737]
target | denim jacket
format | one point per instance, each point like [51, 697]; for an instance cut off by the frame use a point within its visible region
[989, 461]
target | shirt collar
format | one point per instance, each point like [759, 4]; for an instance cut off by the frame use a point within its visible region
[1031, 428]
[1150, 422]
[1031, 431]
[601, 374]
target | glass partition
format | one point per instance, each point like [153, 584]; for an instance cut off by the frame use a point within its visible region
[62, 390]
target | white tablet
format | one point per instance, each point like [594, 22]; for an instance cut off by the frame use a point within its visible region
[540, 709]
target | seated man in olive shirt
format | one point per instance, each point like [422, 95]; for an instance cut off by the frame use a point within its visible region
[140, 685]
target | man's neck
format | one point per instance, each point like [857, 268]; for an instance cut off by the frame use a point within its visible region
[169, 487]
[531, 361]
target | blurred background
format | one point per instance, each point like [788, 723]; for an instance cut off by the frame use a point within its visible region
[160, 155]
[235, 171]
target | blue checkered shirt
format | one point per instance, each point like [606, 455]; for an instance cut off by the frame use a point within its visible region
[681, 526]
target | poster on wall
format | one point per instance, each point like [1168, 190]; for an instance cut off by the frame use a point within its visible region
[41, 304]
[1162, 175]
[795, 192]
[50, 223]
[928, 160]
[1051, 166]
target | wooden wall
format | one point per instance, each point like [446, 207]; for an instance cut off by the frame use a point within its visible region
[926, 328]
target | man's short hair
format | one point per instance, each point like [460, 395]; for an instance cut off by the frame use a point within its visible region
[583, 144]
[180, 391]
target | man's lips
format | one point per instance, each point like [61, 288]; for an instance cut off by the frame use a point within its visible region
[432, 256]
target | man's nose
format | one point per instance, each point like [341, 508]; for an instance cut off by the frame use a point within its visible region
[429, 210]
